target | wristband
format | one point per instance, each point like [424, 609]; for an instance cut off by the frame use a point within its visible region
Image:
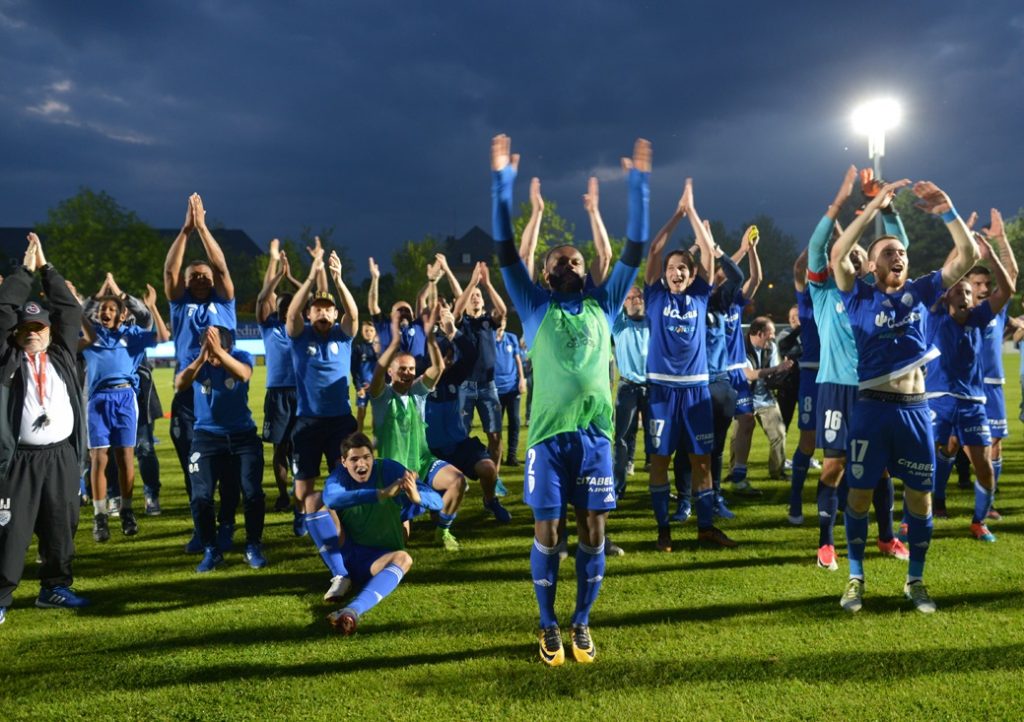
[950, 215]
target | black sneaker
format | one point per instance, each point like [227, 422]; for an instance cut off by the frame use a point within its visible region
[100, 528]
[129, 526]
[283, 503]
[664, 543]
[512, 461]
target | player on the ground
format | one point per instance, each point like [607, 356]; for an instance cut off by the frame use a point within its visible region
[113, 352]
[891, 425]
[400, 428]
[322, 359]
[676, 293]
[956, 387]
[279, 402]
[200, 295]
[368, 496]
[225, 447]
[569, 457]
[837, 379]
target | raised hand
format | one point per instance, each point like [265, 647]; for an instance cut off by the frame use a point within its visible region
[751, 237]
[446, 320]
[190, 220]
[591, 197]
[686, 200]
[536, 200]
[334, 264]
[374, 269]
[275, 249]
[434, 271]
[995, 228]
[198, 211]
[932, 198]
[484, 273]
[501, 153]
[972, 219]
[985, 249]
[845, 187]
[441, 262]
[317, 251]
[149, 298]
[29, 260]
[641, 159]
[283, 268]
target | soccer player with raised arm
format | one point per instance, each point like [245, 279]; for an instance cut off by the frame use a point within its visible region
[200, 295]
[837, 379]
[891, 426]
[676, 293]
[569, 455]
[400, 428]
[322, 360]
[956, 387]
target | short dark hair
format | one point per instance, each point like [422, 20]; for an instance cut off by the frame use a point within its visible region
[556, 248]
[687, 257]
[116, 300]
[355, 441]
[979, 271]
[759, 325]
[198, 262]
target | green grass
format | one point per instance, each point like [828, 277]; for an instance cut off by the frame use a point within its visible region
[754, 632]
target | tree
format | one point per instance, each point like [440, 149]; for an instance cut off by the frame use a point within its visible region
[410, 262]
[91, 234]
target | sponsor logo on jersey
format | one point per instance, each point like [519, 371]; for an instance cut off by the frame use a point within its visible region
[674, 313]
[884, 319]
[917, 467]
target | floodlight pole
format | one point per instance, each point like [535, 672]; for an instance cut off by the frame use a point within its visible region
[876, 149]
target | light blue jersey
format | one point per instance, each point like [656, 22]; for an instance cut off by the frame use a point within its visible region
[631, 338]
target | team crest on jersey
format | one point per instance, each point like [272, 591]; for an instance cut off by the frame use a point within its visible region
[412, 331]
[229, 383]
[857, 470]
[907, 299]
[311, 350]
[840, 308]
[334, 347]
[830, 436]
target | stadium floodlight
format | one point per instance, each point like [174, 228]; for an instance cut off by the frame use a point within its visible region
[873, 119]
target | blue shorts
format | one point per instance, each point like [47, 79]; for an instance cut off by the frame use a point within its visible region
[744, 396]
[572, 468]
[279, 414]
[893, 436]
[681, 420]
[995, 410]
[807, 420]
[464, 455]
[359, 560]
[113, 417]
[484, 399]
[961, 418]
[833, 411]
[315, 438]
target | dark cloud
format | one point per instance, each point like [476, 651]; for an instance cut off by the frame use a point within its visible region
[375, 117]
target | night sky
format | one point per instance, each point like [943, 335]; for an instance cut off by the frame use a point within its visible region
[375, 117]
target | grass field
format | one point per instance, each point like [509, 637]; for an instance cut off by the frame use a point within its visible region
[750, 633]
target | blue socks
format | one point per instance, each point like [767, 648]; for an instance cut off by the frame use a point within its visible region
[444, 521]
[325, 535]
[590, 563]
[828, 504]
[856, 537]
[377, 588]
[943, 468]
[882, 500]
[801, 463]
[544, 570]
[982, 503]
[659, 501]
[997, 468]
[705, 503]
[919, 537]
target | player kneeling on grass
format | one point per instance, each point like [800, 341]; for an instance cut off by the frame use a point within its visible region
[368, 495]
[225, 447]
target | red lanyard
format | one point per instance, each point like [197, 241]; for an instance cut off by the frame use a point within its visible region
[37, 367]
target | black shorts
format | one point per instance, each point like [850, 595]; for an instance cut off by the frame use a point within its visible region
[464, 455]
[279, 414]
[315, 438]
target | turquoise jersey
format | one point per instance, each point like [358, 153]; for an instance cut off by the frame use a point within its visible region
[838, 362]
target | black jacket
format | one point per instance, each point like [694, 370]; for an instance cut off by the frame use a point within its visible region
[65, 323]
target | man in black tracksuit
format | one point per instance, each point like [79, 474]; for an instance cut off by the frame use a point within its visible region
[42, 431]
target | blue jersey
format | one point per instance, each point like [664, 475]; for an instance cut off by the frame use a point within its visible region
[809, 339]
[322, 365]
[190, 318]
[280, 373]
[446, 425]
[992, 348]
[677, 352]
[735, 343]
[222, 401]
[506, 371]
[889, 328]
[414, 340]
[364, 361]
[114, 357]
[958, 371]
[717, 345]
[631, 338]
